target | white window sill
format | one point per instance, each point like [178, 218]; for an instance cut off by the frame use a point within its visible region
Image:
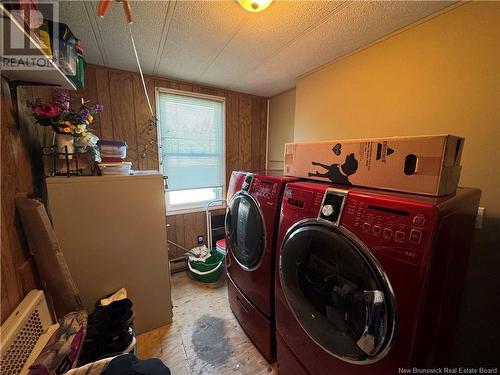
[193, 210]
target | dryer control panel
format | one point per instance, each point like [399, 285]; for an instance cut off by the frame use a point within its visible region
[264, 189]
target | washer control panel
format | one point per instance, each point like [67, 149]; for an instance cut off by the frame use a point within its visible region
[398, 227]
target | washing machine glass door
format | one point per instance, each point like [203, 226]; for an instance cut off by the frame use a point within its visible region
[245, 231]
[338, 292]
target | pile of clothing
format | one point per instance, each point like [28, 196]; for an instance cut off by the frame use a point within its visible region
[110, 328]
[123, 364]
[61, 351]
[100, 343]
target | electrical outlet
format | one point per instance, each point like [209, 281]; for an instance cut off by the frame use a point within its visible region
[201, 239]
[480, 218]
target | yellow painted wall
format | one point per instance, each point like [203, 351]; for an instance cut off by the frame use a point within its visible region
[281, 122]
[439, 76]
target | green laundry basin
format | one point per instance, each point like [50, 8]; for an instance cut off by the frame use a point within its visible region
[208, 271]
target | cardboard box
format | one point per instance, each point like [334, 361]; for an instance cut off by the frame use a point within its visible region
[427, 165]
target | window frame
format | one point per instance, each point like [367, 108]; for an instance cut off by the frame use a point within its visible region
[215, 98]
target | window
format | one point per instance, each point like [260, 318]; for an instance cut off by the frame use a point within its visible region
[191, 148]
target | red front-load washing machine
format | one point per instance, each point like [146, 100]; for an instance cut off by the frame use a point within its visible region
[251, 226]
[368, 282]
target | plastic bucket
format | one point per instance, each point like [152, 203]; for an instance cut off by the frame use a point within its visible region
[208, 271]
[220, 246]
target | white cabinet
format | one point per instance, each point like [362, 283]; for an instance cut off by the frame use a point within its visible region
[112, 231]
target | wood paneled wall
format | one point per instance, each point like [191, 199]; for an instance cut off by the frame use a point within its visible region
[19, 174]
[184, 230]
[126, 114]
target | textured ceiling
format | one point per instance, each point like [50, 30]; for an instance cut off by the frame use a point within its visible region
[218, 43]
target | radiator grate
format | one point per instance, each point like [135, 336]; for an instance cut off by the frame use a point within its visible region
[15, 357]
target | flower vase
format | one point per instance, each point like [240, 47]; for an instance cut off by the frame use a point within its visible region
[64, 141]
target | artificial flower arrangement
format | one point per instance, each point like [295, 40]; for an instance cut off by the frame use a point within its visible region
[65, 121]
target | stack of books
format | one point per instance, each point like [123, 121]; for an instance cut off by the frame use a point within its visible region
[113, 154]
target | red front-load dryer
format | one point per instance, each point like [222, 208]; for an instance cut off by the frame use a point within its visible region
[368, 282]
[251, 226]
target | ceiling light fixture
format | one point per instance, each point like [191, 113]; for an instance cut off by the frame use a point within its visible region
[255, 6]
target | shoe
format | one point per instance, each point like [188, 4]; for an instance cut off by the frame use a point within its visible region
[116, 311]
[103, 344]
[122, 342]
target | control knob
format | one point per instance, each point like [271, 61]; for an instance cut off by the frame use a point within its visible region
[327, 210]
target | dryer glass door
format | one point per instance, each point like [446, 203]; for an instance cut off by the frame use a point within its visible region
[338, 292]
[245, 231]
